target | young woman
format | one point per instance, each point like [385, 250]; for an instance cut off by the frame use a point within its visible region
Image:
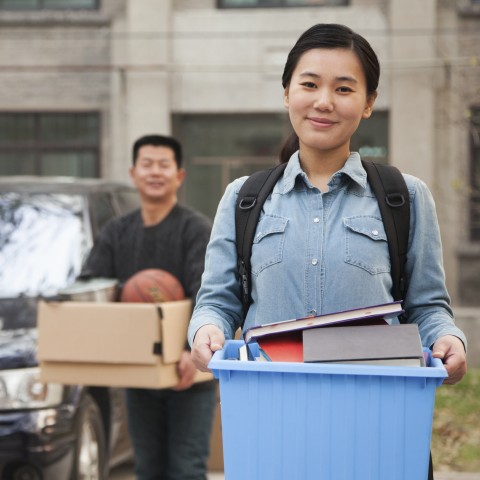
[320, 244]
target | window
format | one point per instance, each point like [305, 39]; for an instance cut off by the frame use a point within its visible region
[49, 4]
[127, 200]
[50, 144]
[469, 8]
[475, 176]
[101, 210]
[279, 3]
[106, 205]
[371, 138]
[220, 148]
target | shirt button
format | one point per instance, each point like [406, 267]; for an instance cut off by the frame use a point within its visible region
[374, 233]
[316, 219]
[314, 261]
[313, 312]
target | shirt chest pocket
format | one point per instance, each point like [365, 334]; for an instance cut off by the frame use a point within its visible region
[267, 248]
[366, 244]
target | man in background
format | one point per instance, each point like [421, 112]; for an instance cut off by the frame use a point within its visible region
[169, 428]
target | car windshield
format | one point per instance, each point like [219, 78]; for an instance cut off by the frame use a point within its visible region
[42, 242]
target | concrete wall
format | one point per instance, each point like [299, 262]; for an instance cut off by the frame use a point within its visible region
[457, 89]
[468, 320]
[190, 57]
[58, 61]
[232, 60]
[141, 45]
[411, 77]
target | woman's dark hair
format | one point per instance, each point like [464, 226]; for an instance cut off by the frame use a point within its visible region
[329, 35]
[158, 141]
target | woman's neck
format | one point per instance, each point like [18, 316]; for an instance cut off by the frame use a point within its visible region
[320, 167]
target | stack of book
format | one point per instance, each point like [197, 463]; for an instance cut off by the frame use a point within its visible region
[359, 336]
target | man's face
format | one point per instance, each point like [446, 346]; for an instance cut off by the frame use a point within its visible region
[155, 173]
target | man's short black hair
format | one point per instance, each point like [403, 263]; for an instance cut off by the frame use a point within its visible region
[159, 141]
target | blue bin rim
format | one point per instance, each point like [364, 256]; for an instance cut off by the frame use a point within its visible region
[220, 362]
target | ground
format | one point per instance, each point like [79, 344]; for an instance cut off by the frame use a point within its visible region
[456, 425]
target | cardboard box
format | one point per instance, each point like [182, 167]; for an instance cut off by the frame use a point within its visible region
[113, 344]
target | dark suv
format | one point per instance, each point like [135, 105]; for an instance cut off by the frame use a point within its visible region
[51, 431]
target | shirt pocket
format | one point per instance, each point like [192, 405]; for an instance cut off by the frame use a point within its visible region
[366, 244]
[267, 248]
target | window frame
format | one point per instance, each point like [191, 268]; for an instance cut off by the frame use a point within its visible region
[39, 147]
[222, 5]
[41, 7]
[236, 159]
[474, 170]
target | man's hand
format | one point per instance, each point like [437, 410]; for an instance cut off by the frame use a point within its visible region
[208, 339]
[452, 352]
[186, 371]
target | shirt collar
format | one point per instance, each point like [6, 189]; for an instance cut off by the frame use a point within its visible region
[353, 168]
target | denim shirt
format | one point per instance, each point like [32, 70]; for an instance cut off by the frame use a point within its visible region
[316, 253]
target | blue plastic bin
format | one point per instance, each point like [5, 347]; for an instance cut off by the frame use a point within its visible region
[299, 421]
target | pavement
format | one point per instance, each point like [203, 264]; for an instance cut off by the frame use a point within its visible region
[125, 472]
[457, 476]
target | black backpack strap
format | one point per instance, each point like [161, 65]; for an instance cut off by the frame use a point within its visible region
[250, 200]
[391, 191]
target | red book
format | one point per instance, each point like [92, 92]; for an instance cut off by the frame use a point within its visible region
[283, 347]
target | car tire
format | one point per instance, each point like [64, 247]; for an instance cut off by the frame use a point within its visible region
[91, 450]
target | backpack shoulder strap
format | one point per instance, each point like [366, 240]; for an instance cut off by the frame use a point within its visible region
[250, 200]
[391, 191]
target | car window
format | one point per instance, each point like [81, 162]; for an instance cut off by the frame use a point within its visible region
[43, 242]
[127, 200]
[101, 210]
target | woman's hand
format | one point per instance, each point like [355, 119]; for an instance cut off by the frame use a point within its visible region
[208, 339]
[452, 352]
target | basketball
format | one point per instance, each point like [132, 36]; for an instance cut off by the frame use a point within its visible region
[152, 286]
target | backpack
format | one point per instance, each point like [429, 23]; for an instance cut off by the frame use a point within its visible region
[391, 192]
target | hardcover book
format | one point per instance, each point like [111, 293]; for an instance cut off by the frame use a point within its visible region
[283, 347]
[365, 315]
[368, 344]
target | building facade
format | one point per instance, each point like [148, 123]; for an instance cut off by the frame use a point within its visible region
[82, 79]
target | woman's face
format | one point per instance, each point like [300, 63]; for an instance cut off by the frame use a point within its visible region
[326, 99]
